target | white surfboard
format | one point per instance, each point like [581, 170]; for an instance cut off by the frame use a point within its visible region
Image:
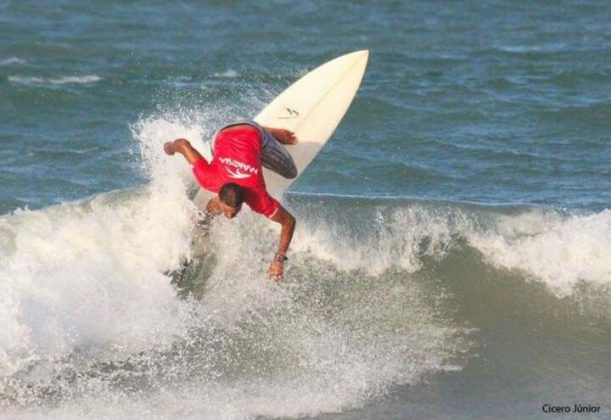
[312, 108]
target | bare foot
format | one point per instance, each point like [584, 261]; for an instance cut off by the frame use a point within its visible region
[284, 136]
[168, 148]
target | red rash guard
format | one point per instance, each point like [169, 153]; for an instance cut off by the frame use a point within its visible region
[237, 159]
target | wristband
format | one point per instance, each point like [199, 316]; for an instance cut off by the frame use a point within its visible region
[280, 258]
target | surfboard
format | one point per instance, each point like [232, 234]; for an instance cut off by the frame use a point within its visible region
[312, 108]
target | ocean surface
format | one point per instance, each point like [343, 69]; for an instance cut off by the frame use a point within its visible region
[452, 257]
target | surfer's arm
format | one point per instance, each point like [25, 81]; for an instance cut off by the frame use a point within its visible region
[288, 222]
[183, 147]
[284, 136]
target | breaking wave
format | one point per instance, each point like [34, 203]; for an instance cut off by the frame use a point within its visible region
[96, 323]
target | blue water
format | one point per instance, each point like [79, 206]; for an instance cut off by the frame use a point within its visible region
[470, 181]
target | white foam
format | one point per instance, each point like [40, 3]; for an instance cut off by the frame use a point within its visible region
[228, 74]
[393, 238]
[278, 352]
[153, 132]
[12, 61]
[557, 250]
[87, 79]
[88, 275]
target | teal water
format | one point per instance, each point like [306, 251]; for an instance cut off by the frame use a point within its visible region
[453, 251]
[492, 102]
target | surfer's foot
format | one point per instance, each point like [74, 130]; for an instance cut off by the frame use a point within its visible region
[284, 136]
[168, 148]
[181, 146]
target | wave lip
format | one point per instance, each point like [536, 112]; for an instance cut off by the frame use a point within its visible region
[561, 251]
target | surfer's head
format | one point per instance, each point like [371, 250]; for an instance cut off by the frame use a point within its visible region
[231, 197]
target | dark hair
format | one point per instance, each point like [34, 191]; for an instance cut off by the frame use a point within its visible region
[232, 195]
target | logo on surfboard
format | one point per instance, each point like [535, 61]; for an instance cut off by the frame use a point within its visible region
[291, 114]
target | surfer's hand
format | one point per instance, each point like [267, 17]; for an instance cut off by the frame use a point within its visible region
[276, 270]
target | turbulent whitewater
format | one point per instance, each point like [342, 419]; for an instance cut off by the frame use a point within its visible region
[95, 322]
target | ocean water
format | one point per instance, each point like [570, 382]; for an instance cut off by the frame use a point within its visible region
[452, 257]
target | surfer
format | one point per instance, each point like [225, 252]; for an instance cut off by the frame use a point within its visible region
[235, 173]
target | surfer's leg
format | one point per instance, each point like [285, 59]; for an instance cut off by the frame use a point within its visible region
[275, 157]
[183, 147]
